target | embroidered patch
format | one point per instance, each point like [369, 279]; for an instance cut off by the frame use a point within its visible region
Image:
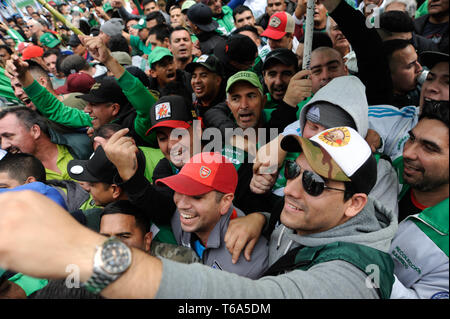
[275, 22]
[96, 86]
[205, 172]
[336, 137]
[162, 111]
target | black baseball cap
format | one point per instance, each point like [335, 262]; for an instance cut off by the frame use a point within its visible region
[170, 111]
[281, 55]
[211, 62]
[104, 91]
[202, 16]
[97, 169]
[237, 47]
[74, 40]
[431, 58]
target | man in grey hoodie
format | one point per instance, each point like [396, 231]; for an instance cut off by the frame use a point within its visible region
[339, 235]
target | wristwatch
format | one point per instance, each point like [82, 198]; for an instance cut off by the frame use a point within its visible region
[111, 260]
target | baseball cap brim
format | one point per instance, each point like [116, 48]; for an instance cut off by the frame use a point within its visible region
[273, 34]
[431, 58]
[208, 27]
[184, 185]
[78, 171]
[317, 157]
[92, 99]
[191, 67]
[171, 124]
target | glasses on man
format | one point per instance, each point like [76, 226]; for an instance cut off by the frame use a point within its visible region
[313, 183]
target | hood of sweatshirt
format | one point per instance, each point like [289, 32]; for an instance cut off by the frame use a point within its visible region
[374, 226]
[346, 92]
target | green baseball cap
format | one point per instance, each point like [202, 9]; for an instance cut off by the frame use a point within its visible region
[107, 7]
[187, 4]
[141, 24]
[247, 76]
[49, 40]
[157, 54]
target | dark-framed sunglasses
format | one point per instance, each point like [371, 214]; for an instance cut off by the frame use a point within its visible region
[313, 183]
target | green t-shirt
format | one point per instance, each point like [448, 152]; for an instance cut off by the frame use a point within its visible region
[137, 44]
[64, 157]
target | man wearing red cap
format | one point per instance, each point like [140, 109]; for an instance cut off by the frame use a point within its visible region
[204, 192]
[280, 32]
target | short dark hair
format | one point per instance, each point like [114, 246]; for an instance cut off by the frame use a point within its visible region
[127, 208]
[247, 28]
[20, 166]
[156, 15]
[178, 28]
[118, 43]
[107, 130]
[436, 110]
[391, 46]
[240, 9]
[145, 2]
[51, 51]
[7, 48]
[396, 21]
[27, 117]
[161, 31]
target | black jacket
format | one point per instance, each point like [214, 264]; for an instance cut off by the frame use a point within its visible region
[209, 40]
[419, 25]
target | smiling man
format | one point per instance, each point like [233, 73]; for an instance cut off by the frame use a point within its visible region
[204, 192]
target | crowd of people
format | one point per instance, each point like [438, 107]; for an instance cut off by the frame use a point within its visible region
[162, 145]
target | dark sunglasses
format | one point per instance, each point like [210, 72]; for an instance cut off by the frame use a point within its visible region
[313, 183]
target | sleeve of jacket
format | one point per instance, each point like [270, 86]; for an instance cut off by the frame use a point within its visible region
[55, 110]
[125, 15]
[142, 101]
[156, 201]
[282, 116]
[373, 68]
[219, 116]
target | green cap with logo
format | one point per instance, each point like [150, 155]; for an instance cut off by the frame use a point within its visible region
[157, 54]
[107, 7]
[49, 40]
[247, 76]
[141, 24]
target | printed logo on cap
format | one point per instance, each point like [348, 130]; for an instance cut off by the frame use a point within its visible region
[275, 22]
[337, 137]
[96, 86]
[163, 110]
[205, 172]
[77, 169]
[141, 22]
[202, 58]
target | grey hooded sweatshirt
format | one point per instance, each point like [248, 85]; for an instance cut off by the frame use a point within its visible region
[374, 226]
[348, 93]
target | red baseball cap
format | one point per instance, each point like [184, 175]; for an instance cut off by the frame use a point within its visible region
[77, 82]
[32, 51]
[280, 23]
[203, 173]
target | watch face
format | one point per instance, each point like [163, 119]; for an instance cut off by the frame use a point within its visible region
[116, 257]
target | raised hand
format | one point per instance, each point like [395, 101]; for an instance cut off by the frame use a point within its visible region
[299, 88]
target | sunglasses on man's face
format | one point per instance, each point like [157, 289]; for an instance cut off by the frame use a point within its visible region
[313, 183]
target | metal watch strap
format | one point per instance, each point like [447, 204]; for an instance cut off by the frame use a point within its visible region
[97, 282]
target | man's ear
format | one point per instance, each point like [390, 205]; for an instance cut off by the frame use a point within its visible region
[30, 179]
[116, 191]
[116, 109]
[153, 74]
[355, 204]
[225, 203]
[36, 131]
[148, 237]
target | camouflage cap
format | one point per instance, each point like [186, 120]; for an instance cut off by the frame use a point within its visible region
[338, 154]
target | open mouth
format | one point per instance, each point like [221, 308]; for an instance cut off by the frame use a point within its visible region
[171, 76]
[246, 117]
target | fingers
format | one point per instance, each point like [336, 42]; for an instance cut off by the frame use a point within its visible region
[116, 136]
[249, 249]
